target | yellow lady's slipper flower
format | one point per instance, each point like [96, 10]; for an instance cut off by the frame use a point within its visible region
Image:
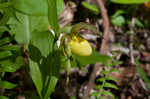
[80, 46]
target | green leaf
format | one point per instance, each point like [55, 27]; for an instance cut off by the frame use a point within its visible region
[52, 16]
[38, 23]
[108, 93]
[96, 57]
[7, 66]
[105, 72]
[43, 41]
[101, 79]
[5, 18]
[96, 94]
[117, 13]
[11, 47]
[5, 40]
[144, 76]
[109, 85]
[99, 87]
[45, 66]
[36, 76]
[51, 87]
[10, 66]
[139, 23]
[3, 97]
[24, 25]
[51, 64]
[118, 21]
[72, 97]
[32, 7]
[60, 6]
[5, 54]
[7, 85]
[21, 29]
[111, 78]
[90, 7]
[130, 1]
[6, 4]
[107, 64]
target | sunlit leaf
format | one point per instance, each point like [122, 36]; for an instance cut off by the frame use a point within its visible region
[111, 78]
[7, 85]
[10, 66]
[129, 1]
[98, 87]
[5, 18]
[110, 85]
[5, 40]
[95, 94]
[91, 7]
[43, 41]
[108, 93]
[24, 25]
[101, 79]
[4, 54]
[34, 8]
[105, 72]
[117, 13]
[60, 6]
[118, 21]
[139, 23]
[6, 4]
[10, 47]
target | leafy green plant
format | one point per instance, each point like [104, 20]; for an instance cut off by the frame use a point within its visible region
[29, 25]
[101, 92]
[10, 60]
[10, 54]
[117, 19]
[35, 24]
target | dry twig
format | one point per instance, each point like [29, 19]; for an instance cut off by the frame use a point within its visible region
[131, 40]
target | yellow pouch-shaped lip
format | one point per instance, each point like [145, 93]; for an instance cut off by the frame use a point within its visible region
[80, 46]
